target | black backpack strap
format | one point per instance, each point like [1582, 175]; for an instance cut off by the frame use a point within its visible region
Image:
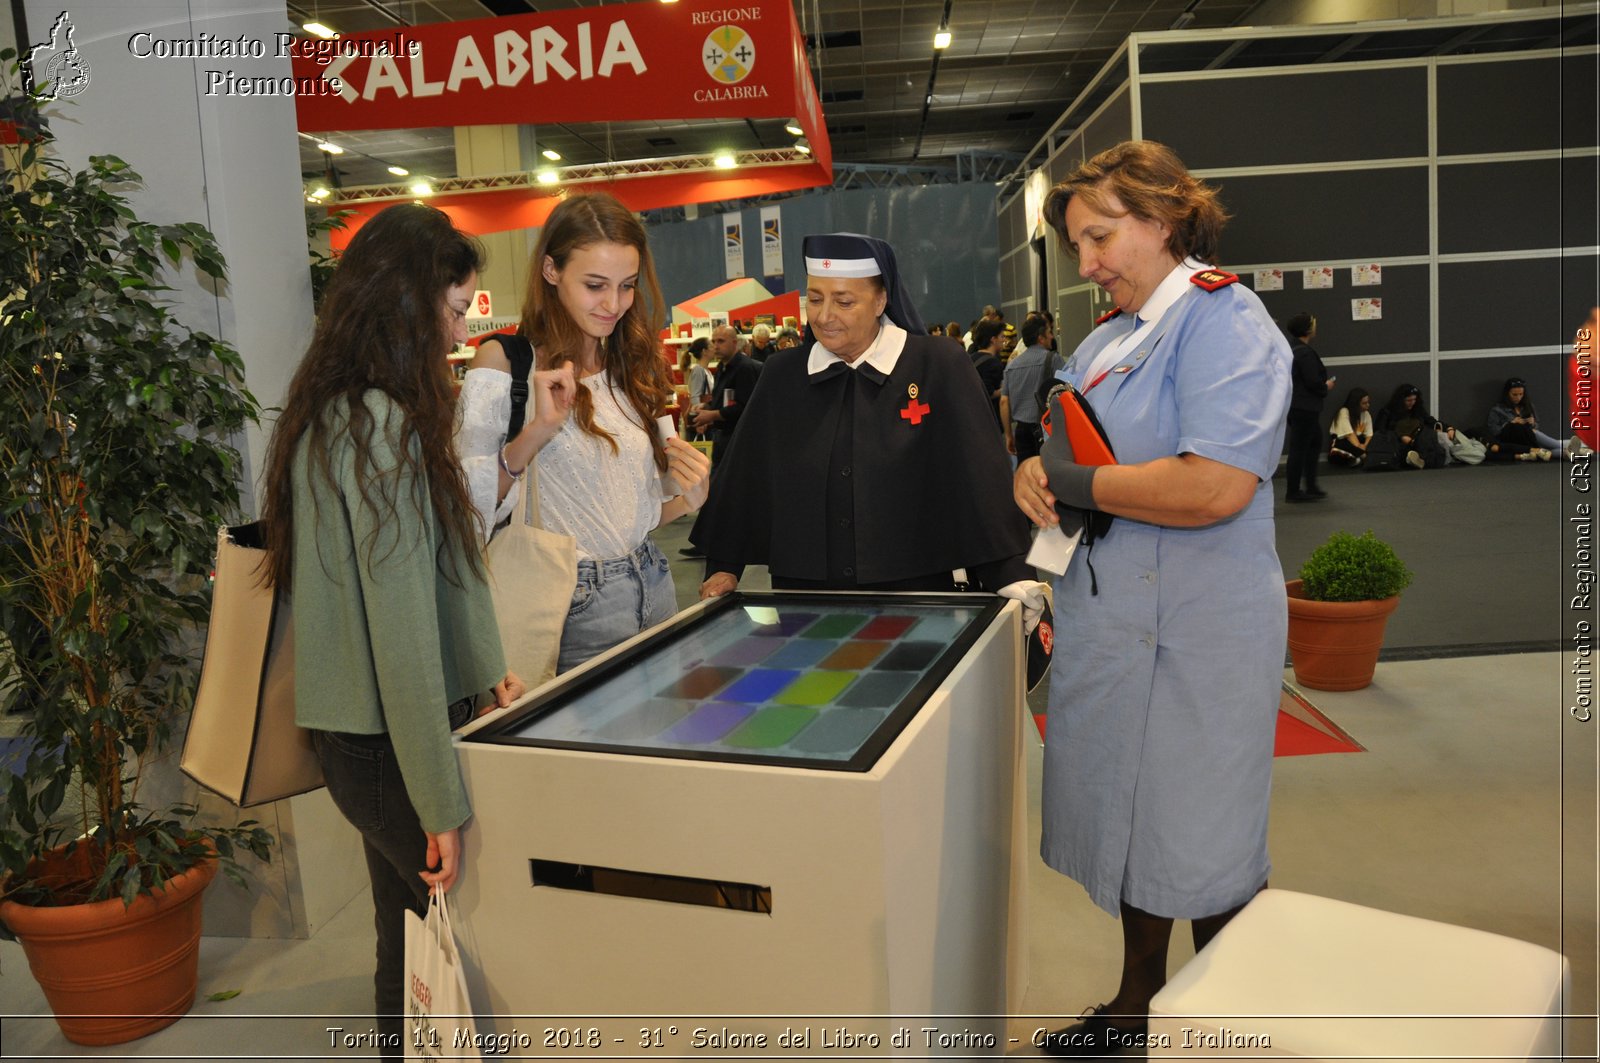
[519, 352]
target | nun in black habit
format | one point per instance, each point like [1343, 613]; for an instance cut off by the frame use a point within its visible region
[866, 459]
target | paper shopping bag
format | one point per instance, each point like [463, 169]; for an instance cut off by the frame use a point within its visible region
[439, 1023]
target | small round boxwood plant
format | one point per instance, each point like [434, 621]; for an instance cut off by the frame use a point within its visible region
[1352, 568]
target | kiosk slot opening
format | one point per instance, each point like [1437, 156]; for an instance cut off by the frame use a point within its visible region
[675, 889]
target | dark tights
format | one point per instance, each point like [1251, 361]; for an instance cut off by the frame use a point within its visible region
[1144, 955]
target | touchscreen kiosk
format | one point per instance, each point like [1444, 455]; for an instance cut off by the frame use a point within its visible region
[773, 809]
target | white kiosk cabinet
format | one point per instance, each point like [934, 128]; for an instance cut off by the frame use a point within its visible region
[780, 816]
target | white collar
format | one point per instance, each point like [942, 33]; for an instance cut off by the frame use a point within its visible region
[1171, 288]
[882, 354]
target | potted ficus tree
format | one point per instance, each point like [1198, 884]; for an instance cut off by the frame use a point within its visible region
[1338, 609]
[116, 432]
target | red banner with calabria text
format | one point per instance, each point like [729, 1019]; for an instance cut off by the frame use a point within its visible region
[623, 62]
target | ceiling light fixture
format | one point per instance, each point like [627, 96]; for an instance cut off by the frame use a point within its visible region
[725, 161]
[803, 148]
[551, 154]
[319, 30]
[941, 39]
[793, 128]
[421, 188]
[400, 171]
[548, 177]
[320, 192]
[330, 147]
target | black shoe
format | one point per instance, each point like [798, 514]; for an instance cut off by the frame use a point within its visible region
[1316, 492]
[1094, 1035]
[1297, 496]
[692, 551]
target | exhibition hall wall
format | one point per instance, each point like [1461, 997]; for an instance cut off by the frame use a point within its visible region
[1436, 212]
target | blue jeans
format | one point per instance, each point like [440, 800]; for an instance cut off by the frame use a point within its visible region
[364, 781]
[613, 601]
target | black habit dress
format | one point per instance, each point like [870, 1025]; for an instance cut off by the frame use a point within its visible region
[850, 480]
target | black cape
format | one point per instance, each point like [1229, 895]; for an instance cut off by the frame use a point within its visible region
[921, 498]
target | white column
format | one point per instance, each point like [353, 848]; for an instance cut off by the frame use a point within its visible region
[229, 162]
[497, 149]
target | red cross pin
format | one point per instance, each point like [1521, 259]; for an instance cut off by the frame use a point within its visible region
[827, 263]
[915, 411]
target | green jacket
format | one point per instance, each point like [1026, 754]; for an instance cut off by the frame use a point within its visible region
[388, 632]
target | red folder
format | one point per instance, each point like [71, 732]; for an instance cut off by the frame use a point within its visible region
[1090, 445]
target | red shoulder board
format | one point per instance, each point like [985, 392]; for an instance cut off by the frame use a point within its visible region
[1108, 315]
[1212, 279]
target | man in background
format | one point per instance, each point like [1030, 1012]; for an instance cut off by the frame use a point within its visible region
[1019, 398]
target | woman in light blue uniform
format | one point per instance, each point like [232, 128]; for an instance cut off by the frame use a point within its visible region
[1163, 703]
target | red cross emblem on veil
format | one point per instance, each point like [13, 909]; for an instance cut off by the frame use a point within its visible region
[827, 263]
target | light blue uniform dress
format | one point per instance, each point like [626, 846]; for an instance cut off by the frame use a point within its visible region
[1164, 690]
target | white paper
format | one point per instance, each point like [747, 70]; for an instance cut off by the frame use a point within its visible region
[667, 429]
[1269, 280]
[1053, 549]
[1366, 276]
[1366, 309]
[1317, 277]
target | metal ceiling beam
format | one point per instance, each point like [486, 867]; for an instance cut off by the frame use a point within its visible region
[603, 171]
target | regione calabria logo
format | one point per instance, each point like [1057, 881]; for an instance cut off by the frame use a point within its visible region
[729, 54]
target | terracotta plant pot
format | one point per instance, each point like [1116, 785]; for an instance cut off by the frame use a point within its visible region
[1334, 645]
[113, 973]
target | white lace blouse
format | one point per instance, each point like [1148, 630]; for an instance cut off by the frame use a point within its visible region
[607, 502]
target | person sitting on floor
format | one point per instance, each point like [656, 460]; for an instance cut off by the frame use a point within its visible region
[1351, 429]
[1512, 420]
[1407, 416]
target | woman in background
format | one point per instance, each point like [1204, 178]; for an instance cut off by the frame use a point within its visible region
[370, 530]
[1406, 415]
[1351, 429]
[1513, 420]
[1311, 386]
[699, 358]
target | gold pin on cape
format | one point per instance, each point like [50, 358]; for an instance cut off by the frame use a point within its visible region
[915, 411]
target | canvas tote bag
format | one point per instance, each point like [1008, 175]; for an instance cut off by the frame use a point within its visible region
[532, 572]
[243, 742]
[439, 1022]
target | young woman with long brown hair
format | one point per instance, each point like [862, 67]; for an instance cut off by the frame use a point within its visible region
[370, 529]
[592, 314]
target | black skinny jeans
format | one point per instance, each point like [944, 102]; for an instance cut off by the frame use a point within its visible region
[364, 781]
[1305, 447]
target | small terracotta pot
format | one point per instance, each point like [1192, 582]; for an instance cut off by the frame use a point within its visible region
[113, 973]
[1334, 645]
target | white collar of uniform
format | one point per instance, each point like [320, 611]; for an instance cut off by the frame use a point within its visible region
[1170, 290]
[882, 355]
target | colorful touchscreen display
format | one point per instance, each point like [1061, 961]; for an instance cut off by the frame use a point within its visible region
[783, 678]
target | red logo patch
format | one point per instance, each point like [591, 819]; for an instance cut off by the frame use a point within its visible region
[1047, 637]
